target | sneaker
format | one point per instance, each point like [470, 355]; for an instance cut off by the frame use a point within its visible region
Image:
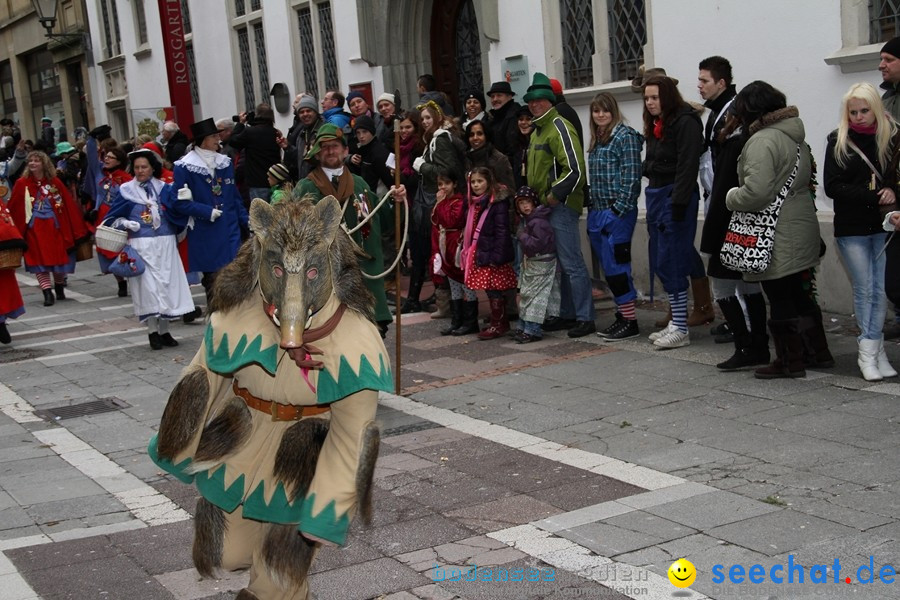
[582, 328]
[673, 339]
[720, 329]
[626, 330]
[667, 329]
[615, 325]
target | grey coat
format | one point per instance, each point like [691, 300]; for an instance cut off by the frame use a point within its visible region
[766, 162]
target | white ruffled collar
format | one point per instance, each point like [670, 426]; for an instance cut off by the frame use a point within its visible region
[192, 161]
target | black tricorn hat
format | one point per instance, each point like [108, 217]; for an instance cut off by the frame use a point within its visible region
[501, 87]
[201, 129]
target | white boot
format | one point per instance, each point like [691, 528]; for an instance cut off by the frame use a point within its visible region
[867, 360]
[884, 367]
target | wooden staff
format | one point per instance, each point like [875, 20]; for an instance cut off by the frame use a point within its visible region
[398, 241]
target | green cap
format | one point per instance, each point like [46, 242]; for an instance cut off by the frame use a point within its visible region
[326, 133]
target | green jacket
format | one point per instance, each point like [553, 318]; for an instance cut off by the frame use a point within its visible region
[765, 164]
[556, 161]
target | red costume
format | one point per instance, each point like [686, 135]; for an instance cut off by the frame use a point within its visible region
[448, 221]
[107, 188]
[11, 305]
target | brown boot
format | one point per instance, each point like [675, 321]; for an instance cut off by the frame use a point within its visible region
[442, 302]
[703, 311]
[499, 323]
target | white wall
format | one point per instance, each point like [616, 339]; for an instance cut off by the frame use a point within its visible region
[521, 32]
[217, 62]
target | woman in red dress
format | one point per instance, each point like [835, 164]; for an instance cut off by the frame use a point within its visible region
[11, 305]
[49, 220]
[112, 175]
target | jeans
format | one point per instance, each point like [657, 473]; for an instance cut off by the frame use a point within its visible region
[575, 284]
[264, 193]
[865, 262]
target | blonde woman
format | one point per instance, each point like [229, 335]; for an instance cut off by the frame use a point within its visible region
[857, 180]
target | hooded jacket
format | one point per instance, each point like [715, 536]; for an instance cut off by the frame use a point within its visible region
[555, 161]
[766, 161]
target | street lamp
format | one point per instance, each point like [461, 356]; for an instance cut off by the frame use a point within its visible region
[46, 11]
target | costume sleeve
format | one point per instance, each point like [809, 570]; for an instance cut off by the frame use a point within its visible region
[16, 205]
[629, 180]
[569, 159]
[331, 499]
[182, 209]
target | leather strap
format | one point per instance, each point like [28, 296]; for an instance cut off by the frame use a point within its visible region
[279, 412]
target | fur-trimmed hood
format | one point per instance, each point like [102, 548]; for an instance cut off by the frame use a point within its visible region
[775, 117]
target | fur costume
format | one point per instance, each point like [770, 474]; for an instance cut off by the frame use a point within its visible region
[291, 324]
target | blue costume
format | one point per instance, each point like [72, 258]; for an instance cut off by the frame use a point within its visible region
[211, 244]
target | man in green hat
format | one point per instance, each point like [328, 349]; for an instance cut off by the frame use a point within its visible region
[556, 172]
[329, 177]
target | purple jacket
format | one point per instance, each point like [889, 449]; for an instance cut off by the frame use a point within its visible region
[536, 235]
[495, 241]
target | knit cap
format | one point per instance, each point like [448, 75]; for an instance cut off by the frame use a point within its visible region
[386, 96]
[892, 47]
[354, 94]
[279, 173]
[307, 101]
[364, 122]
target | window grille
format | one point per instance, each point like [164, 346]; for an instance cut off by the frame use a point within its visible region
[259, 37]
[468, 50]
[186, 16]
[326, 33]
[141, 21]
[578, 42]
[627, 36]
[111, 37]
[884, 20]
[115, 22]
[308, 50]
[255, 4]
[246, 68]
[192, 74]
[239, 9]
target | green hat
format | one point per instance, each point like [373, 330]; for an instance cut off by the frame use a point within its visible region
[540, 88]
[64, 148]
[326, 133]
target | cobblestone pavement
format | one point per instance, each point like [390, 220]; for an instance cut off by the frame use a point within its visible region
[582, 468]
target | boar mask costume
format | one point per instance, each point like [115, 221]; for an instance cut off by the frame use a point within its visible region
[273, 420]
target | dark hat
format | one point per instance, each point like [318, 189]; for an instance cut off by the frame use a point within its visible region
[501, 87]
[100, 133]
[540, 88]
[6, 121]
[524, 111]
[474, 94]
[364, 122]
[354, 94]
[637, 84]
[279, 173]
[151, 156]
[527, 192]
[326, 133]
[46, 120]
[892, 47]
[202, 129]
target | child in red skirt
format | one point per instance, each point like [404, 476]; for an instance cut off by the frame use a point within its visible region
[487, 247]
[448, 221]
[11, 305]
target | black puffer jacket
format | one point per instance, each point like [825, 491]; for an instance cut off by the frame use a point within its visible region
[855, 205]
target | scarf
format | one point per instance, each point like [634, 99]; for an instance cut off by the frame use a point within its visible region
[864, 129]
[658, 129]
[208, 157]
[322, 181]
[148, 197]
[406, 156]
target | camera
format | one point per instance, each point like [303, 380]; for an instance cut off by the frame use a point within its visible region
[251, 116]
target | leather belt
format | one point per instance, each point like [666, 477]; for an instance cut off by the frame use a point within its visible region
[279, 412]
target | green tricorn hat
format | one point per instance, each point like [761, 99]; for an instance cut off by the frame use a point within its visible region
[326, 133]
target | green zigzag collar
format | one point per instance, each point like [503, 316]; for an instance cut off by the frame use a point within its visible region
[222, 360]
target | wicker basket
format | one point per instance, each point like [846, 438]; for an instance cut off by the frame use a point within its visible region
[84, 250]
[11, 259]
[110, 239]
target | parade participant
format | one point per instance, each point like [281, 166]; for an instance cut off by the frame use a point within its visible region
[330, 178]
[50, 221]
[205, 199]
[161, 293]
[538, 276]
[11, 304]
[107, 173]
[279, 433]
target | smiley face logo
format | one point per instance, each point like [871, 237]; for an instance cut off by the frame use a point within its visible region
[682, 573]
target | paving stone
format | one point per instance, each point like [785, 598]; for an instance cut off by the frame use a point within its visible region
[354, 552]
[398, 463]
[705, 511]
[644, 522]
[607, 540]
[500, 514]
[365, 580]
[593, 490]
[779, 532]
[681, 456]
[108, 577]
[399, 538]
[75, 508]
[424, 439]
[187, 584]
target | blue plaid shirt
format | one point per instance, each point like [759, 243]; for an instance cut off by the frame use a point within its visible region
[615, 171]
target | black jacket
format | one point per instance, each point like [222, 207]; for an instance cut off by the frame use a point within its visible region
[299, 143]
[504, 128]
[176, 147]
[373, 167]
[259, 149]
[855, 205]
[568, 113]
[675, 159]
[712, 127]
[716, 221]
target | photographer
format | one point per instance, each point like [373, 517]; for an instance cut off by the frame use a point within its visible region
[260, 148]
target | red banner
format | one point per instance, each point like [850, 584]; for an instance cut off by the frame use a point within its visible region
[175, 51]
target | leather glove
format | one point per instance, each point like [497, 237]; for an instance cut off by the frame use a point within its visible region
[131, 225]
[216, 213]
[417, 164]
[185, 193]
